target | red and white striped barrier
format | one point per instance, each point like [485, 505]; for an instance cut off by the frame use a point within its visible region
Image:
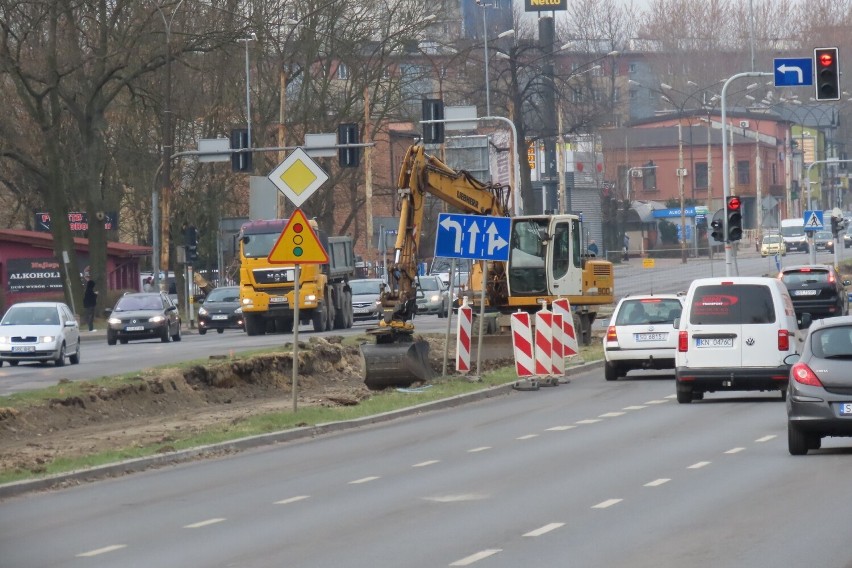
[558, 361]
[522, 344]
[463, 331]
[570, 345]
[544, 341]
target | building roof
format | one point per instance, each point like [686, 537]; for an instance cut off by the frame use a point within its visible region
[45, 240]
[664, 137]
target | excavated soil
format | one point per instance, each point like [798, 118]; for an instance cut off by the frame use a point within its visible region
[158, 405]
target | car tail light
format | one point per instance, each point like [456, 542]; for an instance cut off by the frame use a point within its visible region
[830, 278]
[783, 340]
[803, 374]
[683, 341]
[610, 334]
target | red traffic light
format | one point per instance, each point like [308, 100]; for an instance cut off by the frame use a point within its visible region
[826, 59]
[733, 203]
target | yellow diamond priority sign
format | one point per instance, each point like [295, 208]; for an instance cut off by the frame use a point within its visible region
[298, 243]
[298, 177]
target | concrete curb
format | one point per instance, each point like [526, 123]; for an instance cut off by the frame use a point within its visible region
[140, 464]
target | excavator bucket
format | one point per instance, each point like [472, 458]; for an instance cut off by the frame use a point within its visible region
[386, 365]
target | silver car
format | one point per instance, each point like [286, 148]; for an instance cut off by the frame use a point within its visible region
[365, 298]
[433, 297]
[819, 395]
[39, 331]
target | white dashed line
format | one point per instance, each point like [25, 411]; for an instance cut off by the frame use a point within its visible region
[698, 465]
[636, 407]
[657, 482]
[545, 529]
[476, 557]
[479, 449]
[735, 450]
[611, 415]
[560, 428]
[364, 480]
[424, 464]
[527, 437]
[206, 523]
[103, 550]
[292, 500]
[607, 503]
[656, 402]
[588, 421]
[766, 438]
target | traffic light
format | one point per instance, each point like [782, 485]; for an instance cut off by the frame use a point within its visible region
[718, 232]
[827, 79]
[433, 109]
[734, 212]
[347, 133]
[835, 225]
[191, 240]
[240, 161]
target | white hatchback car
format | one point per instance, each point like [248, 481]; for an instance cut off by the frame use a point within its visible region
[39, 331]
[641, 334]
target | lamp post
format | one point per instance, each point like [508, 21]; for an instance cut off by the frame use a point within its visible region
[248, 89]
[485, 40]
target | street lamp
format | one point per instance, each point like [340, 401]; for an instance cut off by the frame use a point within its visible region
[248, 90]
[485, 39]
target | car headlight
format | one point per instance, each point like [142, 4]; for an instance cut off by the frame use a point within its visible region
[202, 312]
[435, 298]
[247, 301]
[46, 339]
[4, 340]
[157, 319]
[238, 311]
[115, 321]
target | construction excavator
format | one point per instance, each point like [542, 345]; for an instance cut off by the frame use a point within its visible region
[546, 262]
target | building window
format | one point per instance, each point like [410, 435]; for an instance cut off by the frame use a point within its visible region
[774, 174]
[633, 93]
[342, 71]
[743, 172]
[616, 95]
[577, 96]
[649, 177]
[701, 175]
[632, 67]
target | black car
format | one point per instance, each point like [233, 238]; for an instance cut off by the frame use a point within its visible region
[221, 310]
[823, 240]
[143, 315]
[816, 289]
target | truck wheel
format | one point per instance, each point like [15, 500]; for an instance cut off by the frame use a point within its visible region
[347, 307]
[340, 317]
[285, 325]
[255, 325]
[318, 319]
[330, 312]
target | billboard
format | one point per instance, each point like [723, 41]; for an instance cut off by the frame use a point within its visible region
[545, 5]
[78, 221]
[33, 275]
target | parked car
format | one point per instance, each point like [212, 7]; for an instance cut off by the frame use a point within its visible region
[433, 296]
[818, 399]
[365, 298]
[847, 240]
[734, 335]
[39, 331]
[221, 310]
[772, 245]
[823, 240]
[641, 334]
[143, 315]
[816, 289]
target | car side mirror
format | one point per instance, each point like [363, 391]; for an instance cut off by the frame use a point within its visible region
[792, 358]
[70, 323]
[171, 309]
[107, 311]
[847, 282]
[805, 321]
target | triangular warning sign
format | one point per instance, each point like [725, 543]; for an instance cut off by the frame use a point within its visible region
[298, 243]
[813, 221]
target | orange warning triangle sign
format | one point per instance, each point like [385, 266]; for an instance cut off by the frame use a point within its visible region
[298, 243]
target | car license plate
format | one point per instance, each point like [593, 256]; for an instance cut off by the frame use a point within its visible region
[361, 310]
[278, 300]
[805, 292]
[714, 342]
[135, 328]
[23, 348]
[220, 317]
[845, 408]
[650, 336]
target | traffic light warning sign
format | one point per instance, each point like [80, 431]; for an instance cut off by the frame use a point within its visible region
[298, 243]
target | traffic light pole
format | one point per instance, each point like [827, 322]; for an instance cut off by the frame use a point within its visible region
[726, 182]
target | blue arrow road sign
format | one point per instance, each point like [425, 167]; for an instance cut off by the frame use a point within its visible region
[813, 221]
[794, 72]
[473, 236]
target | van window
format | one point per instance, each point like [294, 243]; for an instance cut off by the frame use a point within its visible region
[724, 305]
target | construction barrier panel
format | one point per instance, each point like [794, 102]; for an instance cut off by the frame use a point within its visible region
[522, 344]
[543, 341]
[570, 346]
[558, 361]
[463, 333]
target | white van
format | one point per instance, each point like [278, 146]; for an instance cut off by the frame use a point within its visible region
[733, 335]
[793, 232]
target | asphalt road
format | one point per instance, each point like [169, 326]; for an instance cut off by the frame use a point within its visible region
[589, 474]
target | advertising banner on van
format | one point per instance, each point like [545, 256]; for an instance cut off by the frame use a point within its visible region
[545, 5]
[33, 275]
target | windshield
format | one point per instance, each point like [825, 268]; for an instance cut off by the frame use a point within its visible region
[772, 239]
[795, 231]
[365, 287]
[258, 246]
[130, 303]
[224, 295]
[824, 235]
[44, 315]
[430, 284]
[527, 274]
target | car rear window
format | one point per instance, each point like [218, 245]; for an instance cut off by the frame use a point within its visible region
[731, 304]
[648, 311]
[810, 276]
[832, 343]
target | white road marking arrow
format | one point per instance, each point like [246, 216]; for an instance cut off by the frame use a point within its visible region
[450, 225]
[474, 232]
[495, 241]
[797, 70]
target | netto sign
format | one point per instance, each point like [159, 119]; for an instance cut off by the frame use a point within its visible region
[545, 5]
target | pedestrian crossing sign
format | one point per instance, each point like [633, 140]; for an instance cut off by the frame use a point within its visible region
[813, 221]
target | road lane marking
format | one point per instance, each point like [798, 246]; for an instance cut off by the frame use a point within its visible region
[672, 396]
[527, 437]
[611, 415]
[656, 402]
[364, 480]
[479, 449]
[560, 428]
[607, 503]
[588, 421]
[103, 550]
[657, 482]
[698, 465]
[467, 561]
[206, 523]
[735, 450]
[635, 407]
[545, 529]
[457, 498]
[292, 500]
[424, 464]
[766, 438]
